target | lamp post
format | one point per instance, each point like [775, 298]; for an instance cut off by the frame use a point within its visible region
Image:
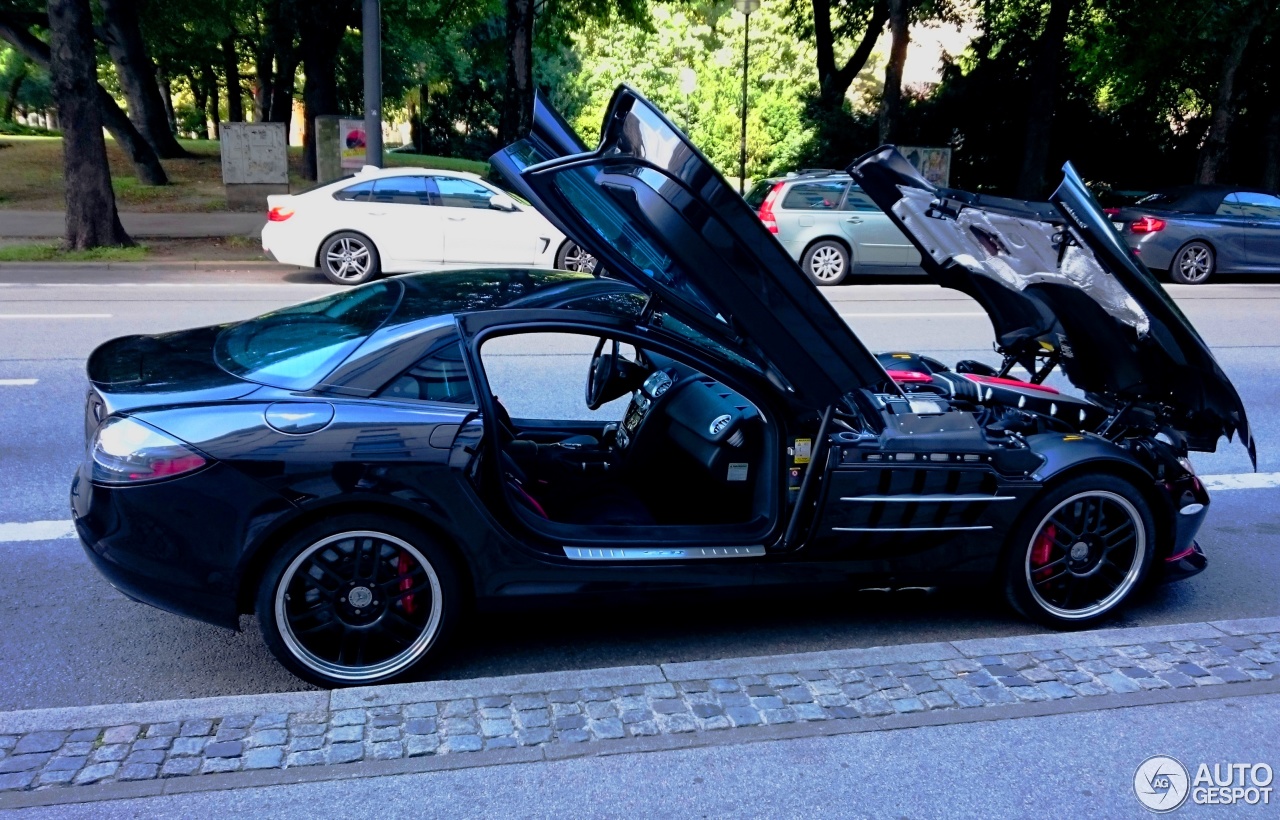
[371, 34]
[688, 84]
[746, 7]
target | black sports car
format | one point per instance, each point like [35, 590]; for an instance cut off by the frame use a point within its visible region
[344, 468]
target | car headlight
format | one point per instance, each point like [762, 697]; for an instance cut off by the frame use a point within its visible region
[1185, 463]
[128, 451]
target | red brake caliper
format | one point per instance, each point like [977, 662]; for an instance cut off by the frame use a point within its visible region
[1040, 551]
[402, 566]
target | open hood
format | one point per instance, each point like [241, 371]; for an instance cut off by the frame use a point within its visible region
[1056, 275]
[658, 214]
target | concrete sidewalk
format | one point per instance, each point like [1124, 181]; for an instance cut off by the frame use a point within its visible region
[51, 224]
[92, 753]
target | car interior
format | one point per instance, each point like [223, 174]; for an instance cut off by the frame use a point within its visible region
[651, 441]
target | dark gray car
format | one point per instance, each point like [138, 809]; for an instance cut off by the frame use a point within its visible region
[1196, 231]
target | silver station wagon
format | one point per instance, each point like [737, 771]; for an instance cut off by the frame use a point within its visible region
[831, 227]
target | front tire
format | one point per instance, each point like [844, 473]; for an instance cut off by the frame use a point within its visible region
[357, 600]
[349, 258]
[1079, 552]
[826, 262]
[1193, 264]
[572, 257]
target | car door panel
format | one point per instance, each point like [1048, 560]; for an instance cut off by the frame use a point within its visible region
[476, 233]
[1259, 217]
[403, 224]
[874, 237]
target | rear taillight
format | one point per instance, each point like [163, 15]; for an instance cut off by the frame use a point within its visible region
[1147, 224]
[128, 451]
[278, 214]
[766, 208]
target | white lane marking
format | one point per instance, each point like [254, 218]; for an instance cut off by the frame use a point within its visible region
[916, 315]
[55, 315]
[55, 530]
[37, 531]
[17, 382]
[1241, 481]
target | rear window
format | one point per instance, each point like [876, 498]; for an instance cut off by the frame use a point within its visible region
[755, 197]
[296, 347]
[815, 196]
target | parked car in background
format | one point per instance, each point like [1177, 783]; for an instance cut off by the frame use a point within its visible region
[830, 226]
[1195, 231]
[396, 220]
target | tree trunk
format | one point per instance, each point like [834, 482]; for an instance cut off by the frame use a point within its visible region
[320, 32]
[145, 162]
[92, 221]
[1214, 150]
[200, 97]
[1271, 146]
[231, 70]
[262, 66]
[15, 85]
[517, 98]
[137, 75]
[833, 80]
[283, 33]
[1042, 95]
[166, 94]
[210, 82]
[891, 100]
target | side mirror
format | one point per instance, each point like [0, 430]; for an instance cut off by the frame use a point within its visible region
[502, 202]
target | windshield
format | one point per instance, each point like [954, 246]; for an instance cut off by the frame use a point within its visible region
[296, 347]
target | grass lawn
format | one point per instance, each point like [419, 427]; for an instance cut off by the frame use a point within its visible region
[52, 252]
[31, 176]
[205, 249]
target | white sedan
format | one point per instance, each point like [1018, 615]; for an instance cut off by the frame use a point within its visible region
[396, 220]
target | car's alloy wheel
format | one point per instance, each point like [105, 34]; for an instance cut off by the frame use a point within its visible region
[349, 259]
[827, 263]
[1193, 264]
[573, 258]
[1088, 547]
[356, 606]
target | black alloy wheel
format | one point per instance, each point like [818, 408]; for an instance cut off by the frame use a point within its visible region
[349, 258]
[1080, 551]
[357, 600]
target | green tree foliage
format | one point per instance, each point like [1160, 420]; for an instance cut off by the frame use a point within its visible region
[701, 44]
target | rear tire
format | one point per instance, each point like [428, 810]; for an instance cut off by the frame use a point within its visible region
[1193, 264]
[826, 262]
[357, 600]
[1079, 552]
[349, 258]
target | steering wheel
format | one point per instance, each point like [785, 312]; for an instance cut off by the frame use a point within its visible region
[601, 373]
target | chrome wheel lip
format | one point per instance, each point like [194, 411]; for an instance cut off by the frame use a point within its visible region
[827, 263]
[348, 258]
[1126, 584]
[1195, 262]
[359, 674]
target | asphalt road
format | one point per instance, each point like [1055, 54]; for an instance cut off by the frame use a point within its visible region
[70, 639]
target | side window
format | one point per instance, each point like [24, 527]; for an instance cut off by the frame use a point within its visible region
[542, 375]
[462, 193]
[404, 190]
[355, 193]
[814, 196]
[857, 200]
[1248, 203]
[438, 376]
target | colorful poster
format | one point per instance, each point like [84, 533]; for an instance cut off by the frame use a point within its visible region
[351, 142]
[934, 164]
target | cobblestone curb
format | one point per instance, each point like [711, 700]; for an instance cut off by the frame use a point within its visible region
[563, 712]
